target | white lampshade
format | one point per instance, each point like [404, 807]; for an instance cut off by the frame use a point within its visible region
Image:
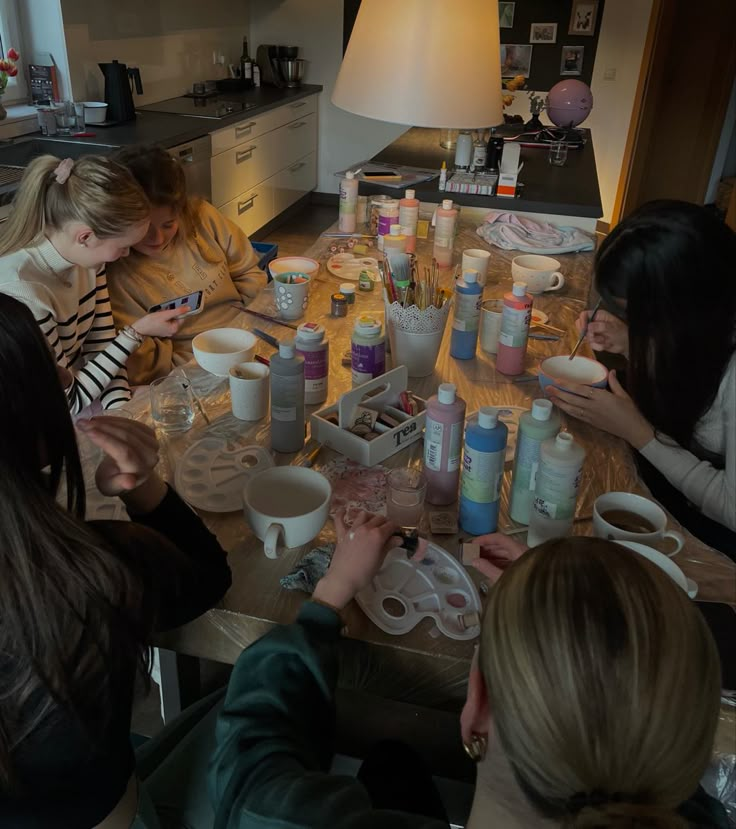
[425, 63]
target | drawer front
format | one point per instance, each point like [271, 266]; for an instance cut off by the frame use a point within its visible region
[242, 167]
[296, 139]
[295, 181]
[252, 209]
[249, 128]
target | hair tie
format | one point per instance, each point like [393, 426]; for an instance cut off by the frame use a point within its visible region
[63, 171]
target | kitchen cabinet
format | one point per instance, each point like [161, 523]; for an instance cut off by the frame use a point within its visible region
[264, 164]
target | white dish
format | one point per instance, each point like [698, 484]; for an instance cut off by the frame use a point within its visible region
[293, 264]
[539, 316]
[664, 563]
[211, 477]
[219, 349]
[348, 266]
[404, 592]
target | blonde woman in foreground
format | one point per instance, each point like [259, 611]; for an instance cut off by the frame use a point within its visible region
[69, 219]
[593, 703]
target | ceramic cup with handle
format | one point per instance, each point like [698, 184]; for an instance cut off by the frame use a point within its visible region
[664, 563]
[477, 259]
[288, 501]
[541, 273]
[624, 516]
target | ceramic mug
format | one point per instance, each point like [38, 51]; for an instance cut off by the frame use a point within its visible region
[491, 312]
[541, 273]
[249, 390]
[288, 501]
[478, 260]
[291, 294]
[636, 506]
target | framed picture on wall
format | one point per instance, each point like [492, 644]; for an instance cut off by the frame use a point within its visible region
[572, 60]
[506, 15]
[543, 33]
[583, 17]
[516, 59]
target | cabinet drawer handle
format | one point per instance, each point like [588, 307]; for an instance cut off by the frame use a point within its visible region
[245, 155]
[297, 166]
[244, 206]
[297, 124]
[186, 156]
[300, 104]
[244, 130]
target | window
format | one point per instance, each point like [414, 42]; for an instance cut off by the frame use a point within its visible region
[10, 35]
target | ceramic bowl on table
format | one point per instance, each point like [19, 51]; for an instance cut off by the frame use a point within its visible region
[556, 371]
[95, 112]
[293, 264]
[219, 349]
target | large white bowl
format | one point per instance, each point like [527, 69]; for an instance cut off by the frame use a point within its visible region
[293, 264]
[218, 350]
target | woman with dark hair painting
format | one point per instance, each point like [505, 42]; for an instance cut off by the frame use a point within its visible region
[666, 276]
[80, 600]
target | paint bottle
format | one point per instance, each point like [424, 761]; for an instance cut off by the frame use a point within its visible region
[556, 489]
[287, 399]
[482, 475]
[466, 316]
[514, 336]
[348, 202]
[443, 444]
[444, 233]
[388, 214]
[395, 242]
[535, 426]
[408, 218]
[311, 345]
[367, 350]
[442, 184]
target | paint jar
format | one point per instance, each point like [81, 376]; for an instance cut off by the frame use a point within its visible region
[388, 215]
[310, 343]
[367, 350]
[376, 203]
[347, 289]
[339, 306]
[365, 282]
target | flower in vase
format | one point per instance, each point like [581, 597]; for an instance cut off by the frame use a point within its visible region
[8, 68]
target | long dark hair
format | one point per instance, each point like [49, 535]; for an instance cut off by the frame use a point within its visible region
[673, 263]
[64, 630]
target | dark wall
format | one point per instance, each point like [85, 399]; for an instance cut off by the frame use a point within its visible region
[546, 58]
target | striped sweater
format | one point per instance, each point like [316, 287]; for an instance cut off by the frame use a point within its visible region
[72, 306]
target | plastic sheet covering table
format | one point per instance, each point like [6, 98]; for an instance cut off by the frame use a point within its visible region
[421, 667]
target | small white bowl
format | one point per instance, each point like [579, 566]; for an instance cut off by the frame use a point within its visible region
[293, 264]
[218, 350]
[95, 112]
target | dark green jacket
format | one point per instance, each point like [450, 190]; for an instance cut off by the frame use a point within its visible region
[276, 736]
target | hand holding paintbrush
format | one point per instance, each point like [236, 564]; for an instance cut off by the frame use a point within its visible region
[584, 332]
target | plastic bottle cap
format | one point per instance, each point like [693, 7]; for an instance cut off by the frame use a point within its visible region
[564, 441]
[367, 324]
[351, 174]
[488, 417]
[447, 204]
[446, 393]
[310, 331]
[410, 194]
[346, 288]
[542, 409]
[519, 289]
[395, 230]
[287, 349]
[470, 276]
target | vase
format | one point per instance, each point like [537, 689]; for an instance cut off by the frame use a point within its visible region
[3, 112]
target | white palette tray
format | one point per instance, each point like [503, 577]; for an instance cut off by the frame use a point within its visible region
[211, 477]
[404, 592]
[348, 266]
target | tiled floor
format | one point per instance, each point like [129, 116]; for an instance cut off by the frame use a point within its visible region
[298, 233]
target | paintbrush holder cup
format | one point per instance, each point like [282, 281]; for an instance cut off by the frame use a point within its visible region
[416, 336]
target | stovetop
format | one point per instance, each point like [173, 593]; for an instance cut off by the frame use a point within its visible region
[216, 106]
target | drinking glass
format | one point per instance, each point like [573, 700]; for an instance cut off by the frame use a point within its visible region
[172, 403]
[558, 154]
[66, 118]
[405, 502]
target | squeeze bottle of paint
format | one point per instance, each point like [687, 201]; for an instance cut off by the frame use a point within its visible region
[388, 214]
[444, 233]
[408, 219]
[466, 316]
[536, 426]
[312, 346]
[443, 444]
[367, 350]
[443, 177]
[287, 399]
[348, 202]
[556, 489]
[515, 319]
[482, 475]
[395, 242]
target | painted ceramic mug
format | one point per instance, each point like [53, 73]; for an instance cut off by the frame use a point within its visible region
[541, 273]
[291, 294]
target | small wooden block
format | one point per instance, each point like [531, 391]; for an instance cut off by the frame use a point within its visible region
[443, 523]
[469, 620]
[471, 551]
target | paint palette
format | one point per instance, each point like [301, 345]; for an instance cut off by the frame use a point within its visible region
[212, 477]
[404, 592]
[349, 267]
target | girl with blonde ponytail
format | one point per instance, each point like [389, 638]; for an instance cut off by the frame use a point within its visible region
[69, 219]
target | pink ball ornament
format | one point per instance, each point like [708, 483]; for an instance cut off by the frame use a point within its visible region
[569, 103]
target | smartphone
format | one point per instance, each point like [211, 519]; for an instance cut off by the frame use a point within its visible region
[721, 619]
[193, 301]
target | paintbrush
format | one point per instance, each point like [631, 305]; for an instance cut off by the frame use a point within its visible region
[197, 401]
[267, 338]
[263, 316]
[309, 460]
[584, 332]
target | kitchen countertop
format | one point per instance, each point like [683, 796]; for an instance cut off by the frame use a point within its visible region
[571, 190]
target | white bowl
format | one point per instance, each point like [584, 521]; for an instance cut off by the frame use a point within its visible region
[293, 264]
[218, 350]
[95, 112]
[664, 563]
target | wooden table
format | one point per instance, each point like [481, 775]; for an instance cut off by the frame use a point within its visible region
[421, 667]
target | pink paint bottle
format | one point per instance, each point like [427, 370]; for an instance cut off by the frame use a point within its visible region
[515, 319]
[443, 444]
[444, 233]
[408, 218]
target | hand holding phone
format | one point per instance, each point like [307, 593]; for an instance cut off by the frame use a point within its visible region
[193, 302]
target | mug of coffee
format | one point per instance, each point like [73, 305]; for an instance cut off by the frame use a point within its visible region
[288, 501]
[541, 273]
[623, 516]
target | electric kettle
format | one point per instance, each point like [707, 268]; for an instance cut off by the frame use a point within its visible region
[118, 90]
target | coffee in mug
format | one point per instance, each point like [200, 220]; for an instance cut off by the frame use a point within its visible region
[624, 516]
[630, 522]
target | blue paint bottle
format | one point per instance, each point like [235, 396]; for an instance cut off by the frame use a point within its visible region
[482, 476]
[466, 316]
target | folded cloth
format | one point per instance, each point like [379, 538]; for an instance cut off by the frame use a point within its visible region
[513, 232]
[309, 570]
